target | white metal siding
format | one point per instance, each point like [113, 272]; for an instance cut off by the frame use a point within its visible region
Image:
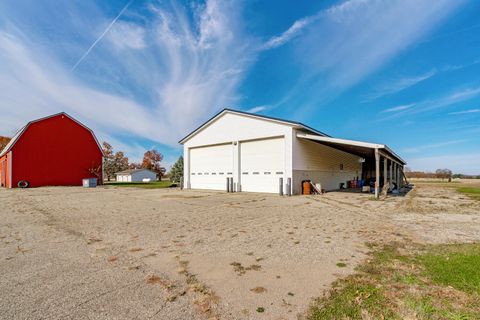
[234, 128]
[137, 176]
[320, 163]
[210, 166]
[140, 175]
[262, 163]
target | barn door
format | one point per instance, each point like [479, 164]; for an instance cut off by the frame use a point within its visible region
[262, 163]
[210, 166]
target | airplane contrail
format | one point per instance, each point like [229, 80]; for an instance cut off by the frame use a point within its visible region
[101, 36]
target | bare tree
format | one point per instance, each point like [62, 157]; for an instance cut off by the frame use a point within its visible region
[444, 174]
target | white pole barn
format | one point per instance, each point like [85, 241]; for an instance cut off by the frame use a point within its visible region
[256, 151]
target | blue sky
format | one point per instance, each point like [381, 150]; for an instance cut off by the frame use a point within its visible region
[143, 74]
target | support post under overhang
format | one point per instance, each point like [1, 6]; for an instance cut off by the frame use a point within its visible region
[385, 164]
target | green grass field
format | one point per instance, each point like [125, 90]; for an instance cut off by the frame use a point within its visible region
[472, 192]
[457, 266]
[144, 185]
[434, 282]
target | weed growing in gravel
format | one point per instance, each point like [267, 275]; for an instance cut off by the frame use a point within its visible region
[241, 270]
[259, 290]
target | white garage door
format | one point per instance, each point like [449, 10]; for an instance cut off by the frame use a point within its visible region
[262, 163]
[210, 167]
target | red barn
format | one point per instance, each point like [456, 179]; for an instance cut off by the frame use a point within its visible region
[53, 151]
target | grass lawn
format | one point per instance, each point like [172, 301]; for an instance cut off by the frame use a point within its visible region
[433, 282]
[144, 185]
[472, 192]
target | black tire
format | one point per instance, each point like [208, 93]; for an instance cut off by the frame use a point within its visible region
[23, 184]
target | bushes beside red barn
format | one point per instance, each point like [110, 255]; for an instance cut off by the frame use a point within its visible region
[53, 151]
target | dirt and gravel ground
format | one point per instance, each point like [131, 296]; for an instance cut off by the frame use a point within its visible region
[121, 253]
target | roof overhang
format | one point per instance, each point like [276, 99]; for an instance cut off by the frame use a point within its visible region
[297, 125]
[359, 148]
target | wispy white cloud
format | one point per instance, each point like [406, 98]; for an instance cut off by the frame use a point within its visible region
[293, 31]
[370, 33]
[398, 108]
[399, 85]
[109, 26]
[456, 96]
[257, 109]
[299, 25]
[465, 112]
[354, 39]
[340, 46]
[127, 35]
[434, 145]
[178, 72]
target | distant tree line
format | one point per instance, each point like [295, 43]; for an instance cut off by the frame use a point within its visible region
[445, 174]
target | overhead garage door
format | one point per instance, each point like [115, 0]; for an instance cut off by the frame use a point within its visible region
[210, 166]
[262, 163]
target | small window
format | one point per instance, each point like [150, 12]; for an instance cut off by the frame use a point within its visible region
[221, 173]
[206, 173]
[229, 173]
[244, 172]
[214, 173]
[255, 172]
[341, 166]
[267, 172]
[199, 173]
[279, 172]
[193, 173]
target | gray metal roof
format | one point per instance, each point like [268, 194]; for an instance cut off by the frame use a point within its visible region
[130, 171]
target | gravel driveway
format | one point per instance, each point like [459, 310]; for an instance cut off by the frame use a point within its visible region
[124, 253]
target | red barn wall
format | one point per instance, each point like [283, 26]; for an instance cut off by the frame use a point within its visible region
[53, 152]
[4, 172]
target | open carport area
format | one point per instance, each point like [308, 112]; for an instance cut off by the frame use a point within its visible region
[109, 252]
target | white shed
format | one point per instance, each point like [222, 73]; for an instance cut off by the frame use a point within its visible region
[256, 151]
[136, 175]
